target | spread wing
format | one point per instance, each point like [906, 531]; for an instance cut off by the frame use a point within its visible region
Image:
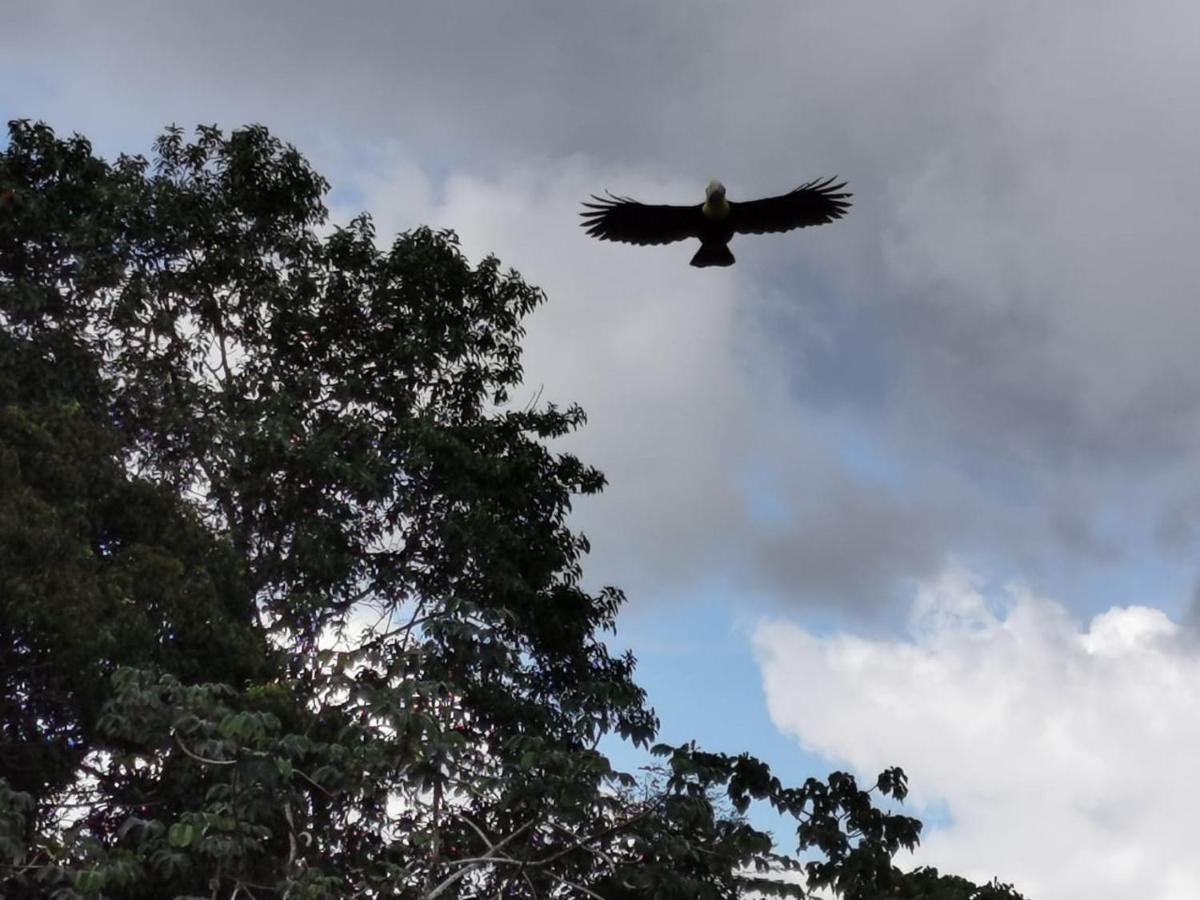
[622, 219]
[814, 203]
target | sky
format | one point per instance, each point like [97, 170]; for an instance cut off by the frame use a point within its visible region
[914, 488]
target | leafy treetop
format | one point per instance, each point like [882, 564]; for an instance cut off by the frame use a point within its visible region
[290, 606]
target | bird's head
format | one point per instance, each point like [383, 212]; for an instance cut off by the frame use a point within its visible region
[714, 191]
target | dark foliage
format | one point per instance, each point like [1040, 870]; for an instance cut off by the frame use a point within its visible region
[288, 602]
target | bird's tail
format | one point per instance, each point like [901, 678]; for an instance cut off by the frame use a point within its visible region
[713, 255]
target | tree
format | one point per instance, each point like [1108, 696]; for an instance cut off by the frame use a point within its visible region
[290, 605]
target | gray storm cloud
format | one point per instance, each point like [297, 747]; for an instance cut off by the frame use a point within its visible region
[1007, 314]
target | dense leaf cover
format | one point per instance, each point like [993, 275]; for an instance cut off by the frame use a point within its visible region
[289, 605]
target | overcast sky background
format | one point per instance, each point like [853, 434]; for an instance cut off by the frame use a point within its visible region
[916, 488]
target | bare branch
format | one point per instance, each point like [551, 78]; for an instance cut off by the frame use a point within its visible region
[471, 864]
[202, 759]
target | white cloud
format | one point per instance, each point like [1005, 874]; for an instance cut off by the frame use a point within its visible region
[1063, 752]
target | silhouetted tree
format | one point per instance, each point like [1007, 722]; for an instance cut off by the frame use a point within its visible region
[288, 602]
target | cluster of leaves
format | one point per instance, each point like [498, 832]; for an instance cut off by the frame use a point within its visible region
[290, 607]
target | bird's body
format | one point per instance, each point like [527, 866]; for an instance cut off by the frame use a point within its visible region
[716, 231]
[715, 221]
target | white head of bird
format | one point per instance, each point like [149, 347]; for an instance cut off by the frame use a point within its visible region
[715, 206]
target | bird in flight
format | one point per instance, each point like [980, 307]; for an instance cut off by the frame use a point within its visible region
[716, 220]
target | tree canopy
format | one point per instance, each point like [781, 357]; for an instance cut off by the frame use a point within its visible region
[289, 602]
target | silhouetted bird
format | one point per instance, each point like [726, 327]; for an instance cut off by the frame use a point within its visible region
[716, 220]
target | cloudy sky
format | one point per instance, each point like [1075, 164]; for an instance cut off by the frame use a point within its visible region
[916, 488]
